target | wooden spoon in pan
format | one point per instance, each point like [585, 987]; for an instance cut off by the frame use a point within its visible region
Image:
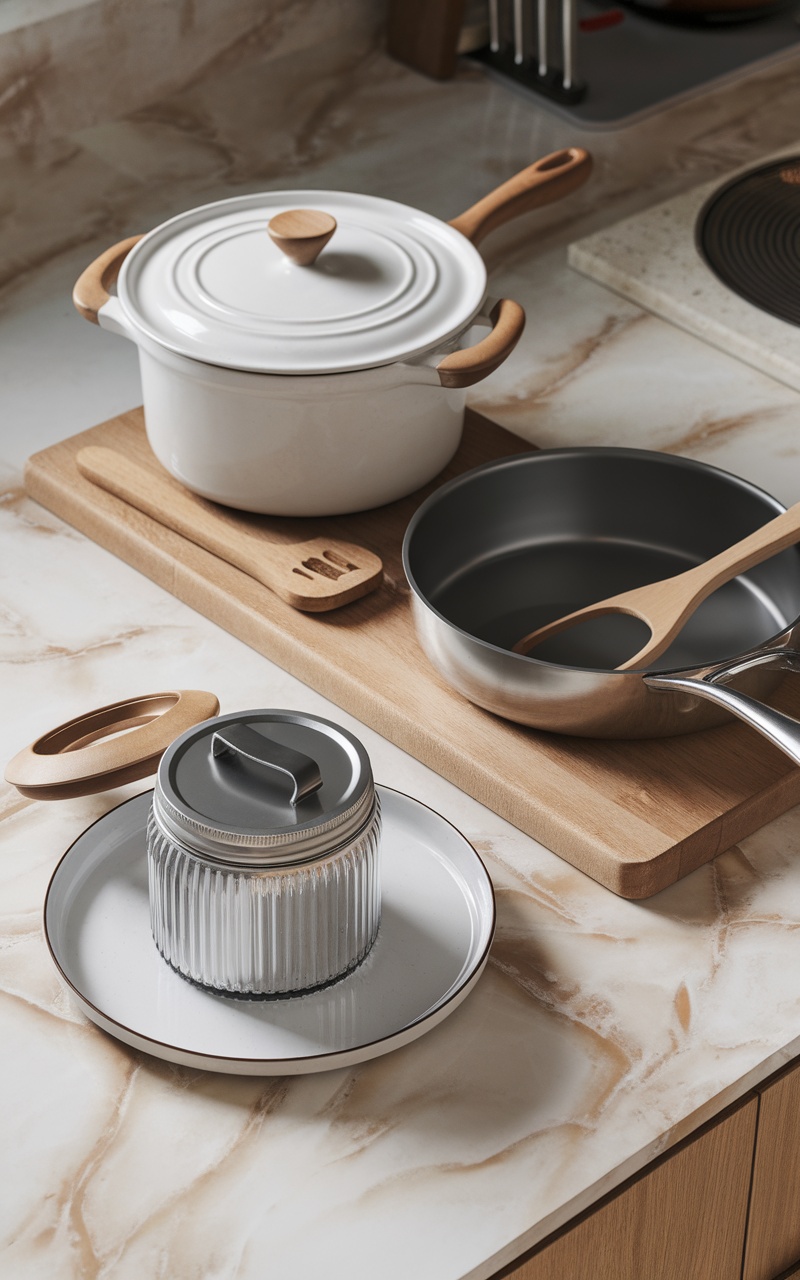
[313, 576]
[665, 606]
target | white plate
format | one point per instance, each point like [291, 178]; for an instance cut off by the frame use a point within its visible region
[436, 928]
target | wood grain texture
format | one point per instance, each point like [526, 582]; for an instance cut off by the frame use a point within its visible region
[108, 746]
[550, 178]
[773, 1236]
[301, 233]
[316, 575]
[469, 365]
[683, 1220]
[92, 286]
[635, 816]
[424, 34]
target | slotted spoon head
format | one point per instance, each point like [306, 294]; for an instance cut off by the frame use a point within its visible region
[665, 606]
[323, 573]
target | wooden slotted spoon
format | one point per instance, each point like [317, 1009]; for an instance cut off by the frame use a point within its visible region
[314, 576]
[665, 606]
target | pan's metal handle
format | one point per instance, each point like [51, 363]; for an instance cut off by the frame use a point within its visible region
[780, 729]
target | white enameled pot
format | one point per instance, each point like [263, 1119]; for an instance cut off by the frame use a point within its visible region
[308, 353]
[298, 446]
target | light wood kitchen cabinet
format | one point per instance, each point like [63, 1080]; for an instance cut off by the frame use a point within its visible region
[723, 1205]
[684, 1219]
[773, 1235]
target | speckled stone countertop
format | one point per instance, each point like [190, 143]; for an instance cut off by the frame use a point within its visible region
[602, 1030]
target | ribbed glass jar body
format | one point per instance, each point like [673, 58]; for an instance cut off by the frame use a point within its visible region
[264, 931]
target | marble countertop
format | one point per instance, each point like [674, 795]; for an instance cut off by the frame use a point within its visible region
[602, 1030]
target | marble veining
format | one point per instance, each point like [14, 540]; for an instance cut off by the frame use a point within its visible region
[126, 57]
[603, 1030]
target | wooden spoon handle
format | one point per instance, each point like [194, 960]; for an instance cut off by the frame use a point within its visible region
[774, 536]
[666, 606]
[314, 576]
[548, 179]
[172, 506]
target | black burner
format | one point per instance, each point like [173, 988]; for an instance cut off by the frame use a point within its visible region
[749, 234]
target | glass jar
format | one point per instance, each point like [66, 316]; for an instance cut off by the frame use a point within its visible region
[263, 848]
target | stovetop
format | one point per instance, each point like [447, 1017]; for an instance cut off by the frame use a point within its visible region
[712, 259]
[749, 234]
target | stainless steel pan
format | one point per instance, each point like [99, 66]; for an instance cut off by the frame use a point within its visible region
[516, 543]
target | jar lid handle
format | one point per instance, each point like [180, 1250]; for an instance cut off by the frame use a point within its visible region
[240, 740]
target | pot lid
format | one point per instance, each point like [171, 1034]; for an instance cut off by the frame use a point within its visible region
[264, 788]
[389, 284]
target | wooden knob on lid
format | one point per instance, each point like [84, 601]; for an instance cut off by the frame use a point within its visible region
[301, 233]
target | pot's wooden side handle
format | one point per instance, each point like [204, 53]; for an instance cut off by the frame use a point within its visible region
[548, 179]
[464, 368]
[91, 288]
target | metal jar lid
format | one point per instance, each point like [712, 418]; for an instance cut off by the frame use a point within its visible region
[264, 788]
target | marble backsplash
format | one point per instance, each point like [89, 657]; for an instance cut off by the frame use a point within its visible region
[115, 116]
[69, 66]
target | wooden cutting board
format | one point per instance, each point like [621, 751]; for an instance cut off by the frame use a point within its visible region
[634, 815]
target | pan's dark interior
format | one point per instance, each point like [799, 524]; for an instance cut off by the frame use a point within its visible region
[521, 543]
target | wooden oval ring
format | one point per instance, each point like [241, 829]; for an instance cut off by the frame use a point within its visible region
[82, 757]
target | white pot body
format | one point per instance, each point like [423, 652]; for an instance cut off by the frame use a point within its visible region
[299, 388]
[313, 445]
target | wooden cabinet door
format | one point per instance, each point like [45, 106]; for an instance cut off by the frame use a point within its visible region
[684, 1219]
[773, 1233]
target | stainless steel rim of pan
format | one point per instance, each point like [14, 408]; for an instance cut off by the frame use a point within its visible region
[557, 528]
